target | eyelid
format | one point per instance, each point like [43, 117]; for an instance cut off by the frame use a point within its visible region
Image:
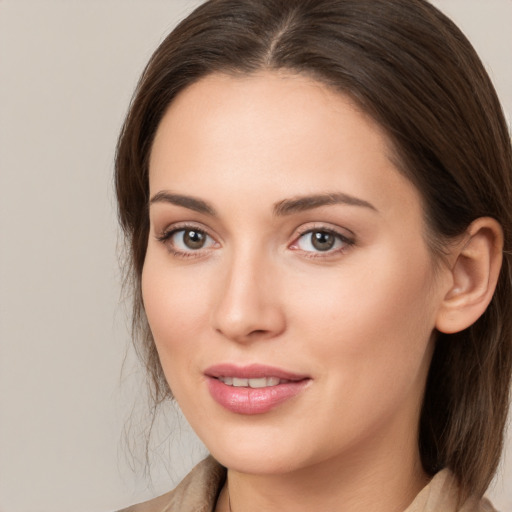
[164, 236]
[346, 236]
[325, 226]
[343, 234]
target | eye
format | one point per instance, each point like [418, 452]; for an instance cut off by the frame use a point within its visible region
[187, 240]
[321, 240]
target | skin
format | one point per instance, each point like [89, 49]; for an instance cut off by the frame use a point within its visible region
[357, 319]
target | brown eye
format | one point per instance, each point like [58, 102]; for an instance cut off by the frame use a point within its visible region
[187, 240]
[194, 239]
[322, 240]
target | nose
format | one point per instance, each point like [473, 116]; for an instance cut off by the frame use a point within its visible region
[248, 307]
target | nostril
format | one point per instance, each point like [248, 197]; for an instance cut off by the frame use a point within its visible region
[257, 332]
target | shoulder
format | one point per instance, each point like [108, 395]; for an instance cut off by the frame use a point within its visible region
[485, 506]
[441, 495]
[197, 492]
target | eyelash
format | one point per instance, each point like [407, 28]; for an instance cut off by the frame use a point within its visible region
[166, 236]
[339, 237]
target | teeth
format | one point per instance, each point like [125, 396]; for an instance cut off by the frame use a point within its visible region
[272, 381]
[261, 382]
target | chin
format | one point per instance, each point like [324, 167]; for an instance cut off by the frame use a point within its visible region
[255, 462]
[259, 452]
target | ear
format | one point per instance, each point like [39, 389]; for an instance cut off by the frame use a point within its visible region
[476, 263]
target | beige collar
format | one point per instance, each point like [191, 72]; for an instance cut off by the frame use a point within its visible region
[441, 495]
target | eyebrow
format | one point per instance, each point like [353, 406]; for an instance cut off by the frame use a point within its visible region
[303, 203]
[192, 203]
[282, 208]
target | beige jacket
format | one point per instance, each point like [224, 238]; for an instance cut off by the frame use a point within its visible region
[199, 490]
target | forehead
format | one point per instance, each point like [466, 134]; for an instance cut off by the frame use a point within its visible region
[267, 133]
[277, 98]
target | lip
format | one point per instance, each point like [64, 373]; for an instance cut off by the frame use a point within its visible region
[253, 371]
[246, 400]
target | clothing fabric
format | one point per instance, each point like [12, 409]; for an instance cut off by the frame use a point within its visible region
[199, 490]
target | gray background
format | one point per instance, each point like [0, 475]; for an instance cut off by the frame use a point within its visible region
[67, 71]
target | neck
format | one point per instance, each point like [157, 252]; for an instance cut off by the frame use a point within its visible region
[387, 482]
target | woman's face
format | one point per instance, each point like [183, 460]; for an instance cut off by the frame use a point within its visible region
[287, 283]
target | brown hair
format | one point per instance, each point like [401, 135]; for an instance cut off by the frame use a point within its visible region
[411, 69]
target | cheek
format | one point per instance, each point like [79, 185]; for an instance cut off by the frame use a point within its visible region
[173, 297]
[374, 318]
[369, 339]
[176, 308]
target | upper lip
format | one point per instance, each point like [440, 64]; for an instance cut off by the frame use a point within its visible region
[252, 371]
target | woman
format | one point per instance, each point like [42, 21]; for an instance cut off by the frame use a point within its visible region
[316, 196]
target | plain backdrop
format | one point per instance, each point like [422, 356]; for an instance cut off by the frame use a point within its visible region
[68, 379]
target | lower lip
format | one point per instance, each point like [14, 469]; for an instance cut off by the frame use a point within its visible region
[245, 400]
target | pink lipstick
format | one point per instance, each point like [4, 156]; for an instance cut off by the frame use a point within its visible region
[253, 389]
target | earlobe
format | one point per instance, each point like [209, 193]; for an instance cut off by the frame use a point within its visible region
[475, 271]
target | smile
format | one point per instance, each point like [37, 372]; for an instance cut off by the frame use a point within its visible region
[261, 382]
[254, 389]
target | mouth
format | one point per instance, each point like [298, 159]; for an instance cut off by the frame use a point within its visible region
[254, 389]
[261, 382]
